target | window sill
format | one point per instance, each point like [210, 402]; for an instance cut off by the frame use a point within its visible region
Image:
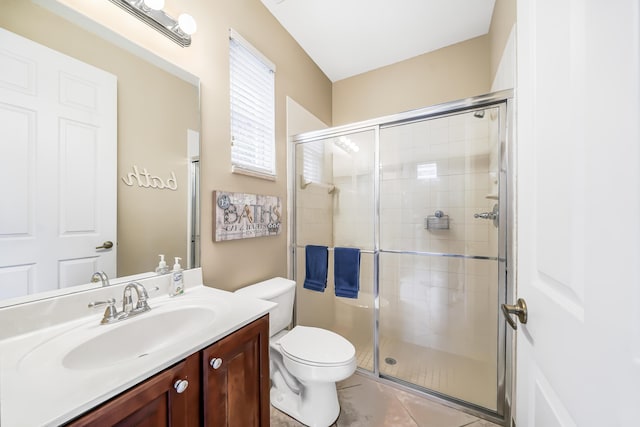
[247, 172]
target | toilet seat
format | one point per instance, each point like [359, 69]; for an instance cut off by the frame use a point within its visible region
[317, 347]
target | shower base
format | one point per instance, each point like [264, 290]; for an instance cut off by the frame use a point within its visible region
[460, 377]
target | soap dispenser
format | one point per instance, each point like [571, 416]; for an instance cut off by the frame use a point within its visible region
[177, 283]
[162, 267]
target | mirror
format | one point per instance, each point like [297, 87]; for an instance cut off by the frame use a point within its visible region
[158, 124]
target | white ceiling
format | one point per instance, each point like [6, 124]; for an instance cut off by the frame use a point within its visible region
[349, 37]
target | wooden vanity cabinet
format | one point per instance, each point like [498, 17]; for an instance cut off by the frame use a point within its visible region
[235, 380]
[233, 390]
[154, 402]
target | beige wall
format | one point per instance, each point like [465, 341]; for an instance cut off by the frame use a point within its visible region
[229, 265]
[151, 133]
[504, 16]
[453, 72]
[447, 74]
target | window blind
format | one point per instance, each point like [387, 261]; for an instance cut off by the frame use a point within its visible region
[252, 94]
[313, 161]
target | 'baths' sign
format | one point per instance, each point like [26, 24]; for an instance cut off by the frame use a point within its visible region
[146, 180]
[243, 216]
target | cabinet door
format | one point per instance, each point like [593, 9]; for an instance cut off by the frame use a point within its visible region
[236, 387]
[153, 403]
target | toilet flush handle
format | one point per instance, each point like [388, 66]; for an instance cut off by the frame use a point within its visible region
[215, 362]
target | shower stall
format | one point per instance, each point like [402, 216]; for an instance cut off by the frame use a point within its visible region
[425, 197]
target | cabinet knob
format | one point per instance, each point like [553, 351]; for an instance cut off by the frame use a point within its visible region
[215, 363]
[181, 385]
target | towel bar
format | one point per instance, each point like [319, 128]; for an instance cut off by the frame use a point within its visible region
[364, 251]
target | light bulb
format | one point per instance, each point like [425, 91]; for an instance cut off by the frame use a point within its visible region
[154, 4]
[187, 24]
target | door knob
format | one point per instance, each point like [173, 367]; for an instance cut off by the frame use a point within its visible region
[215, 363]
[106, 245]
[519, 309]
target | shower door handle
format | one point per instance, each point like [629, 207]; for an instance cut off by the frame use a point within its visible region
[519, 309]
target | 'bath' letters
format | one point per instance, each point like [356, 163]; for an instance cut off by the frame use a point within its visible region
[146, 180]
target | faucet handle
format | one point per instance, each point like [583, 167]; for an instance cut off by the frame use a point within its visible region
[110, 301]
[110, 313]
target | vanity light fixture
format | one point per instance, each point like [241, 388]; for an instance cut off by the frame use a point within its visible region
[151, 13]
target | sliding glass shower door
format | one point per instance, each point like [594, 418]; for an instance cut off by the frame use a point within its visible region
[439, 272]
[423, 196]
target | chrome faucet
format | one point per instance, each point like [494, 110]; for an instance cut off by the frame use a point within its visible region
[111, 313]
[100, 276]
[141, 305]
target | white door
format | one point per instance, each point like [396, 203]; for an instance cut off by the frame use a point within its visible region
[57, 169]
[578, 213]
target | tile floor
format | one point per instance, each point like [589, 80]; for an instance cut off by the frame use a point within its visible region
[365, 402]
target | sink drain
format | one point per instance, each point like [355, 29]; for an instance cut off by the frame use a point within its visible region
[390, 361]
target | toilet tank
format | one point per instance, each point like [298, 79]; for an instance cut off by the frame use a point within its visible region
[278, 290]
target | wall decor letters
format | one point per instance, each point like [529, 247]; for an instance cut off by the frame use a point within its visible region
[146, 180]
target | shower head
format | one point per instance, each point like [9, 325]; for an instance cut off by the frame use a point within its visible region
[479, 114]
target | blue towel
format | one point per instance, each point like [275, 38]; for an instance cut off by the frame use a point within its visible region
[316, 262]
[346, 270]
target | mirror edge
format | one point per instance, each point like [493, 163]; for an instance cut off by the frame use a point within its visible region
[106, 33]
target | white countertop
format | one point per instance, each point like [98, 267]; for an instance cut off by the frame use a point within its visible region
[40, 391]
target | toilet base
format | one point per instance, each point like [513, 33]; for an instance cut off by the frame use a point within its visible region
[316, 405]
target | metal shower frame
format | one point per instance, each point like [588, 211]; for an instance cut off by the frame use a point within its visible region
[506, 234]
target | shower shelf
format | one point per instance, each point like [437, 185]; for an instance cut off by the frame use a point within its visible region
[304, 184]
[491, 196]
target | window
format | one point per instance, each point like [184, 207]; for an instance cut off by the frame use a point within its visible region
[313, 161]
[252, 82]
[427, 171]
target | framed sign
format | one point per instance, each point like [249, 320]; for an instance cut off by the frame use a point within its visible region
[244, 216]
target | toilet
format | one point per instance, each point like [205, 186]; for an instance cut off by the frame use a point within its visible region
[305, 362]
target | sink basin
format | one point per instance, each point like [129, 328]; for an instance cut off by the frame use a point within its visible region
[97, 347]
[136, 337]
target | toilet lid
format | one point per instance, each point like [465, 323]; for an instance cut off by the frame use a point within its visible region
[317, 346]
